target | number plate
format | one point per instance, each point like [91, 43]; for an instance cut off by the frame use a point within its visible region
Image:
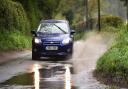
[51, 48]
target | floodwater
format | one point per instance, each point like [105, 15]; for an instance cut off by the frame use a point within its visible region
[75, 73]
[44, 76]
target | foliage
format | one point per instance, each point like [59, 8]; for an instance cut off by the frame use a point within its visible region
[69, 15]
[13, 16]
[18, 17]
[125, 2]
[93, 7]
[32, 10]
[14, 40]
[109, 20]
[48, 8]
[73, 11]
[52, 9]
[108, 23]
[114, 64]
[80, 30]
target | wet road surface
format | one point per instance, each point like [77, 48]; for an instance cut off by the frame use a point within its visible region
[75, 73]
[37, 75]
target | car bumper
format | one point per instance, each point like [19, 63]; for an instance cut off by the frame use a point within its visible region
[54, 54]
[63, 50]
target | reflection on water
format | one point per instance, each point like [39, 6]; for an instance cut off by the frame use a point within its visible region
[48, 77]
[67, 77]
[36, 76]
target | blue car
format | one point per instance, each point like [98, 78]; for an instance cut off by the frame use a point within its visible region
[53, 38]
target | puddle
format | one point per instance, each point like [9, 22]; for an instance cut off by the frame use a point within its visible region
[24, 79]
[50, 77]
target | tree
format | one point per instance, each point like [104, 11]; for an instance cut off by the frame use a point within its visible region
[13, 16]
[48, 8]
[86, 14]
[125, 2]
[99, 16]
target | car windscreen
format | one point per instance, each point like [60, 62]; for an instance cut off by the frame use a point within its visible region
[53, 28]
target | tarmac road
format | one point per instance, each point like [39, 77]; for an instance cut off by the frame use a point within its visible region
[75, 73]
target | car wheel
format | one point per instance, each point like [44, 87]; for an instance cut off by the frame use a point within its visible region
[35, 56]
[70, 54]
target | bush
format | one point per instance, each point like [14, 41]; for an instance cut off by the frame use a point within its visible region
[14, 40]
[79, 35]
[31, 8]
[109, 20]
[12, 16]
[114, 63]
[110, 29]
[80, 30]
[14, 26]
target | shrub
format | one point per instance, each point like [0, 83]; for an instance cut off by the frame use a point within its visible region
[80, 30]
[114, 63]
[14, 40]
[109, 20]
[13, 16]
[31, 8]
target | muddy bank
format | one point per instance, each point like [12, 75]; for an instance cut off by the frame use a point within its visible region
[111, 80]
[13, 55]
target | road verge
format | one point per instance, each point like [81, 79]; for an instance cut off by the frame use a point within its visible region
[12, 55]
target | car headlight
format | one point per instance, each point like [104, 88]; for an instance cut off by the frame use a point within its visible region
[66, 41]
[37, 40]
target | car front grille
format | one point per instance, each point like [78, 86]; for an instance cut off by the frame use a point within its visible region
[52, 43]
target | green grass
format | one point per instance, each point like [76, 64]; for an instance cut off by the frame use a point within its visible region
[14, 40]
[82, 35]
[78, 36]
[113, 65]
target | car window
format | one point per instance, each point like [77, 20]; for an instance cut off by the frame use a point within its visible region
[51, 28]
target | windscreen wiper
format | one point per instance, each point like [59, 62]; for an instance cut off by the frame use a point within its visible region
[60, 28]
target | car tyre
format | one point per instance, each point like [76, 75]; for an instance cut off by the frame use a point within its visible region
[69, 56]
[35, 56]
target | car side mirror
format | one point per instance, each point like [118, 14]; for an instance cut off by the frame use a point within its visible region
[73, 31]
[33, 32]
